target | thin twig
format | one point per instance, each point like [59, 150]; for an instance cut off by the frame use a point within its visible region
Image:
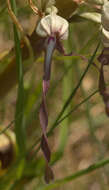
[16, 22]
[35, 9]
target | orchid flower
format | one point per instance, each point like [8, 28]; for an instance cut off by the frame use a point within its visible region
[54, 29]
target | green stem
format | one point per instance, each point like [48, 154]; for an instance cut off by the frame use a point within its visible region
[87, 109]
[77, 106]
[74, 90]
[76, 175]
[90, 118]
[63, 133]
[20, 134]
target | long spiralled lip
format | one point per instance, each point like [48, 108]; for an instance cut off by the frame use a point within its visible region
[50, 46]
[43, 115]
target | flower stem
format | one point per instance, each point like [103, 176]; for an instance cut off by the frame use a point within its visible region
[19, 130]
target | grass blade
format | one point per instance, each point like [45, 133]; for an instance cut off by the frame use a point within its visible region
[76, 175]
[20, 133]
[74, 90]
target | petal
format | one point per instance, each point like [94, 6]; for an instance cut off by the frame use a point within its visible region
[43, 115]
[53, 24]
[50, 46]
[48, 174]
[59, 25]
[41, 31]
[43, 28]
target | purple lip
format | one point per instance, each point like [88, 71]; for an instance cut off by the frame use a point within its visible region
[51, 43]
[43, 115]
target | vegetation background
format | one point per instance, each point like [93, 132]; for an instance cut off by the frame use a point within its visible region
[80, 142]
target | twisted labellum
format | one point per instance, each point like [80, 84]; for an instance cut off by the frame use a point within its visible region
[104, 57]
[53, 28]
[43, 115]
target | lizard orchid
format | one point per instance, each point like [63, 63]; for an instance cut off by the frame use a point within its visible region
[54, 29]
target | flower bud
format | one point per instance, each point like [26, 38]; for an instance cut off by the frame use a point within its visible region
[53, 25]
[51, 9]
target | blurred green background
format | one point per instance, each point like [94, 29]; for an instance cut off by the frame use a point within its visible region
[76, 142]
